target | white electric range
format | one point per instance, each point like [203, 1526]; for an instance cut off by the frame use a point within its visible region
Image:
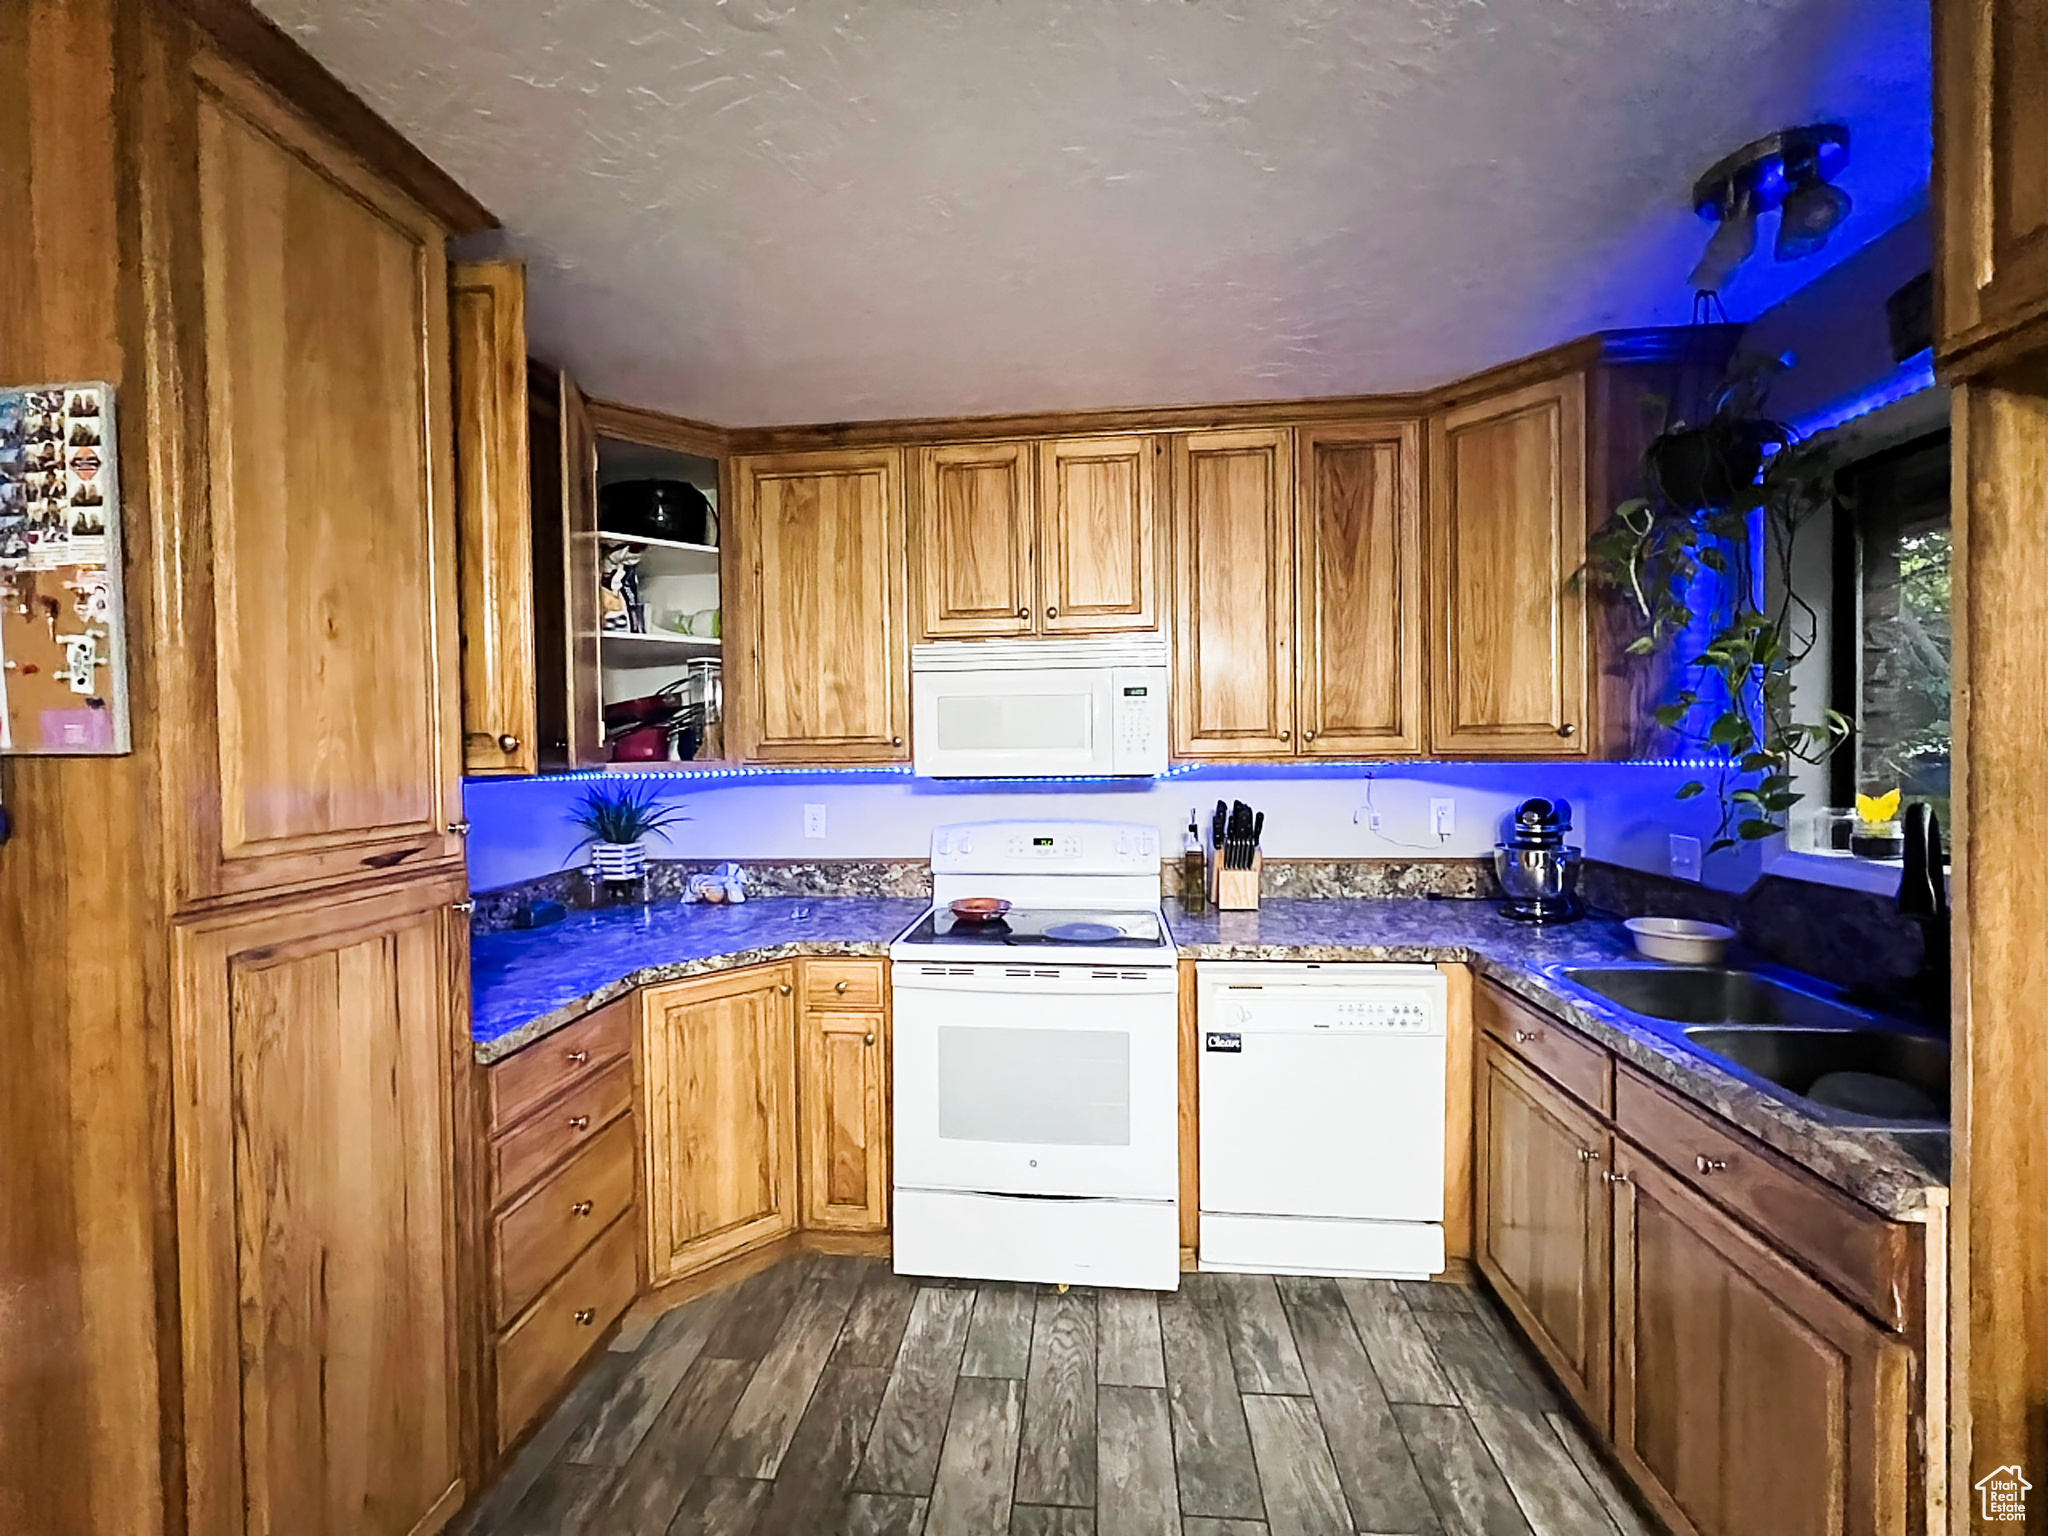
[1036, 1126]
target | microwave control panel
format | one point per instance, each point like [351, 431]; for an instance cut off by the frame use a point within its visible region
[1137, 708]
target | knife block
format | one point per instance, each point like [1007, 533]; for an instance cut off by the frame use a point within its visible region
[1236, 890]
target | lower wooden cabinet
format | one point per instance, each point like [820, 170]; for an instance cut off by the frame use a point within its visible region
[843, 1104]
[1542, 1219]
[1747, 1396]
[718, 1102]
[319, 1063]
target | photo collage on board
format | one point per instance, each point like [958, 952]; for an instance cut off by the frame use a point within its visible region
[53, 478]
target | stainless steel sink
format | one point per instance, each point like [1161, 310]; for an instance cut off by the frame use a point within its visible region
[1712, 994]
[1796, 1059]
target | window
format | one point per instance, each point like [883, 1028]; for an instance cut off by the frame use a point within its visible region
[1892, 640]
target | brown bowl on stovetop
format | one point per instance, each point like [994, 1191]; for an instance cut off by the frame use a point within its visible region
[978, 909]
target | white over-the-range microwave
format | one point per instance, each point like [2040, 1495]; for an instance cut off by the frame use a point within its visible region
[1010, 709]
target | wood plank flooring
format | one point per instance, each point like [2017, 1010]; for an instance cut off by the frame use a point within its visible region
[828, 1396]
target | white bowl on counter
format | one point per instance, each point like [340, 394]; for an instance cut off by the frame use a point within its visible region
[1679, 940]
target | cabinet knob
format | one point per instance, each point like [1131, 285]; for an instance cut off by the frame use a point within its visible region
[868, 1038]
[783, 990]
[1566, 729]
[508, 743]
[1285, 734]
[459, 828]
[1612, 1177]
[1528, 1036]
[465, 906]
[1023, 613]
[839, 987]
[581, 1208]
[1588, 1155]
[579, 1122]
[1710, 1164]
[1308, 735]
[585, 1316]
[577, 1058]
[1052, 613]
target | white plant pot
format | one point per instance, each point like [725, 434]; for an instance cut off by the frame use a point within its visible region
[619, 863]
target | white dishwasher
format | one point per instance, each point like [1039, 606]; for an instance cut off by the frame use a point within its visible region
[1322, 1118]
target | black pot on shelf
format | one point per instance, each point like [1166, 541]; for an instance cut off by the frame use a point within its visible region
[657, 509]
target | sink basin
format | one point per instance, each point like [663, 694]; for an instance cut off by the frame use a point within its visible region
[1711, 994]
[1796, 1059]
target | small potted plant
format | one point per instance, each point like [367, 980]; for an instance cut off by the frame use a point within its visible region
[616, 824]
[1876, 834]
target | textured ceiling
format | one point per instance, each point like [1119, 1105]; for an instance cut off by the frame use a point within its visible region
[767, 211]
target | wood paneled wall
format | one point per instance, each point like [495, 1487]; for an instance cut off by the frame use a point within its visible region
[84, 1219]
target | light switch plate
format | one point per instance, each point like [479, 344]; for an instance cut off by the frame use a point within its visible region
[814, 821]
[1685, 857]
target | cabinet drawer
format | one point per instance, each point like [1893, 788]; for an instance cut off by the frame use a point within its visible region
[1556, 1050]
[1871, 1261]
[557, 1129]
[531, 1077]
[536, 1357]
[843, 983]
[537, 1238]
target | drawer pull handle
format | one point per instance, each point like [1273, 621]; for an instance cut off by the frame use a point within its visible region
[1588, 1155]
[839, 987]
[1710, 1164]
[585, 1316]
[577, 1058]
[1528, 1036]
[1612, 1177]
[868, 1038]
[581, 1208]
[579, 1122]
[459, 828]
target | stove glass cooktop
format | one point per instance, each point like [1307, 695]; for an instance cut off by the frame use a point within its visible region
[1043, 928]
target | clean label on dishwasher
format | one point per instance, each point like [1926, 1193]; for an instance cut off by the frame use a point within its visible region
[1217, 1040]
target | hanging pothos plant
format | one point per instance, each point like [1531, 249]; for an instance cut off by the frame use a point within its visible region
[1710, 546]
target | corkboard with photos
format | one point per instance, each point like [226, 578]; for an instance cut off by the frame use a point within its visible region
[62, 663]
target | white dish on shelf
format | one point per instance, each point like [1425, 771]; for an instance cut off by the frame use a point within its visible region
[1679, 940]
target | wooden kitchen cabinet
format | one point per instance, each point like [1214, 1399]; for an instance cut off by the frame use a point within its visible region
[975, 529]
[819, 609]
[494, 518]
[1507, 517]
[1991, 182]
[843, 1098]
[1233, 534]
[1097, 568]
[718, 1116]
[1747, 1397]
[318, 1054]
[315, 690]
[1359, 556]
[1541, 1222]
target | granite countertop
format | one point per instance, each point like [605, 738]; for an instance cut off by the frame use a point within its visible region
[525, 983]
[1898, 1174]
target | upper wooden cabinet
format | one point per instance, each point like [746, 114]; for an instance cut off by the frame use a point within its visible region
[1991, 181]
[975, 529]
[1507, 535]
[1746, 1397]
[1233, 537]
[494, 521]
[718, 1116]
[818, 608]
[1054, 537]
[1358, 594]
[316, 738]
[317, 1050]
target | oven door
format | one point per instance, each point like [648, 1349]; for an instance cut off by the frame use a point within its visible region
[1025, 723]
[1036, 1080]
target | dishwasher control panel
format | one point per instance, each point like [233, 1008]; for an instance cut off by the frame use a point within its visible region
[1291, 1009]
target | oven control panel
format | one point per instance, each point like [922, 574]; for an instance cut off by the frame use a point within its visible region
[1052, 847]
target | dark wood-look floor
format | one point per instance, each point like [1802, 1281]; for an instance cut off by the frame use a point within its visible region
[828, 1395]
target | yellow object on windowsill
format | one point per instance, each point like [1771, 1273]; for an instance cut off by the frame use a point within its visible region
[1876, 810]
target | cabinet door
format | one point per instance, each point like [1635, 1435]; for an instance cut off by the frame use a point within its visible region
[1991, 176]
[494, 522]
[822, 597]
[1097, 567]
[318, 1050]
[320, 737]
[718, 1117]
[845, 1125]
[562, 450]
[1233, 533]
[1359, 551]
[975, 527]
[1542, 1219]
[1747, 1397]
[1507, 533]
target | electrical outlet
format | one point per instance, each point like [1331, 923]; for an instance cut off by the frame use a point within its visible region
[1685, 857]
[1443, 817]
[814, 821]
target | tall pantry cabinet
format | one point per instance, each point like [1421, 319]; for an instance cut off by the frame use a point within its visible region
[245, 942]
